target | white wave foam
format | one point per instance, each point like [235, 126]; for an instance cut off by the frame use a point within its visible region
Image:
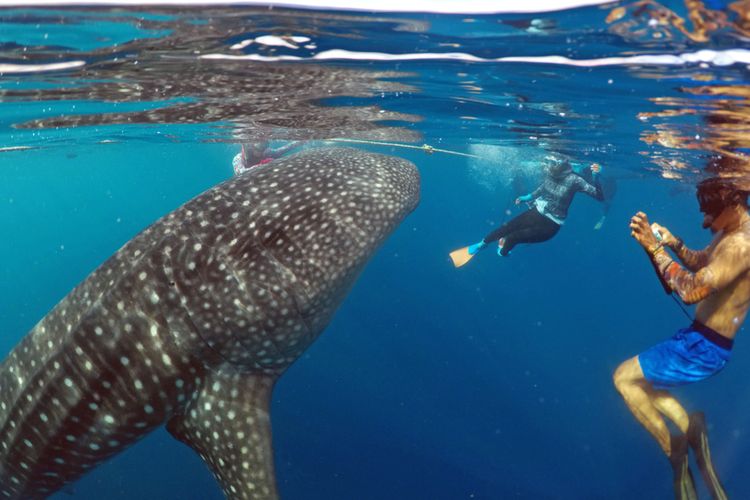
[715, 57]
[439, 6]
[251, 57]
[38, 68]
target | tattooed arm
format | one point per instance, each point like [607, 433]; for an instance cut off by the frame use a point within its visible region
[691, 287]
[693, 260]
[727, 261]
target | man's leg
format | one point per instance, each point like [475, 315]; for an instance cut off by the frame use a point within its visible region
[634, 388]
[671, 408]
[648, 405]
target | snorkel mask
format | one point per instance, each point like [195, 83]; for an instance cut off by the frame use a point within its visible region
[558, 166]
[714, 195]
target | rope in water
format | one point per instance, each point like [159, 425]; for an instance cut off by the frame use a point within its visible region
[682, 307]
[424, 147]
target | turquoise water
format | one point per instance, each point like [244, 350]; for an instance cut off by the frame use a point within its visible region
[490, 381]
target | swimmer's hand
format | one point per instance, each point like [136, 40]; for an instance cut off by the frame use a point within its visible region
[667, 238]
[640, 229]
[596, 168]
[526, 197]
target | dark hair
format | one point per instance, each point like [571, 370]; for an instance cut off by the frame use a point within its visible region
[715, 194]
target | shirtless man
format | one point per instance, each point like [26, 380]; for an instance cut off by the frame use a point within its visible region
[717, 279]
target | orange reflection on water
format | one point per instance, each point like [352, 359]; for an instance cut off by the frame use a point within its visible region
[651, 20]
[723, 129]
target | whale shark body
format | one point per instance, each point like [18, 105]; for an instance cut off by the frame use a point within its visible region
[192, 322]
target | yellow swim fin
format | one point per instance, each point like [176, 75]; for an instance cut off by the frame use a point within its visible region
[464, 255]
[461, 256]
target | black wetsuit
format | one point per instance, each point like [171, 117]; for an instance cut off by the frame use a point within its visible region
[542, 222]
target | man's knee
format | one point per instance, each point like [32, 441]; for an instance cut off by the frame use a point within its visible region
[618, 379]
[625, 374]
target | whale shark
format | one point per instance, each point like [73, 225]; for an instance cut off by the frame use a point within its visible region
[191, 323]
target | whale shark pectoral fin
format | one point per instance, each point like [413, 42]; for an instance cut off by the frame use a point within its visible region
[228, 425]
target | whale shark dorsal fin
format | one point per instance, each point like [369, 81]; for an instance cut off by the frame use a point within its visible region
[228, 425]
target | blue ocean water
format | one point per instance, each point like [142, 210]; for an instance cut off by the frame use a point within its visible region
[486, 382]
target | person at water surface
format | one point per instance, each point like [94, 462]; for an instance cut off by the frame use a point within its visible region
[717, 279]
[544, 219]
[259, 153]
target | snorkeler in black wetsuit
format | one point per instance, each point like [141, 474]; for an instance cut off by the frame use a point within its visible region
[542, 221]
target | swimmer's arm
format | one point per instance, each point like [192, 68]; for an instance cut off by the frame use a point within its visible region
[529, 197]
[725, 266]
[693, 260]
[691, 287]
[594, 190]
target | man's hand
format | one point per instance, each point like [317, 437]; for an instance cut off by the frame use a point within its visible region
[595, 168]
[667, 238]
[640, 229]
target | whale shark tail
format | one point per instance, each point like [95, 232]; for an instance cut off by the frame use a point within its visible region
[463, 255]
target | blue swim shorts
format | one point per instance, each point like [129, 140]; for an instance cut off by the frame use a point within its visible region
[692, 354]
